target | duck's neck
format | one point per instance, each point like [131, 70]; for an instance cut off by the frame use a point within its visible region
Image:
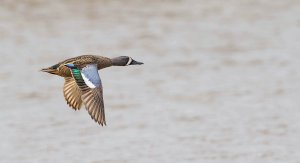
[103, 62]
[117, 61]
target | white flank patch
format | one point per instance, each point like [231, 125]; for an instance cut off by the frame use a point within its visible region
[129, 61]
[87, 81]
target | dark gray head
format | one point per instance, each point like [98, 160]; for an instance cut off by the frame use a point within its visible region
[124, 61]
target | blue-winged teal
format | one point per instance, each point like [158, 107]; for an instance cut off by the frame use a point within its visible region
[82, 81]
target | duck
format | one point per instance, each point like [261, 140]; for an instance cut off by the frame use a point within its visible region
[82, 85]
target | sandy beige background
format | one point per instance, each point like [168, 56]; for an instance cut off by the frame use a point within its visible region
[220, 83]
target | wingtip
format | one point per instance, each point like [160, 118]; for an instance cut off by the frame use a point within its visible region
[103, 124]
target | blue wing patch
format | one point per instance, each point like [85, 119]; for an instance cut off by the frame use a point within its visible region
[90, 76]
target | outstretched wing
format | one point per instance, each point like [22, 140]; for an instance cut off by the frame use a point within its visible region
[72, 93]
[89, 82]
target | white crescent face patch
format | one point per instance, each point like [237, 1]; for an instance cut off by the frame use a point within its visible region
[87, 81]
[129, 61]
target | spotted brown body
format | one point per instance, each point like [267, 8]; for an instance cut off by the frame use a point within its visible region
[80, 61]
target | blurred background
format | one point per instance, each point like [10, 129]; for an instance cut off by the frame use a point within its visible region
[220, 81]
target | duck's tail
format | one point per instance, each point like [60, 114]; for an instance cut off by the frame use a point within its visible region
[52, 70]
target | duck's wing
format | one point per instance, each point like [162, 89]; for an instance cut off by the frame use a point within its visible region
[89, 82]
[72, 93]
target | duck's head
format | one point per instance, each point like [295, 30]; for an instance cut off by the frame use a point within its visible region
[124, 61]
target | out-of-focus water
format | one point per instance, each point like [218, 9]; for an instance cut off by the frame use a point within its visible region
[220, 81]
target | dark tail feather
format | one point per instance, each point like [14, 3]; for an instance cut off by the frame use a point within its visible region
[51, 70]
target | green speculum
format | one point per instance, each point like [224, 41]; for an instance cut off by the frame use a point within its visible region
[77, 74]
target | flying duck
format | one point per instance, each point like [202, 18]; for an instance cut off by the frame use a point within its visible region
[82, 81]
